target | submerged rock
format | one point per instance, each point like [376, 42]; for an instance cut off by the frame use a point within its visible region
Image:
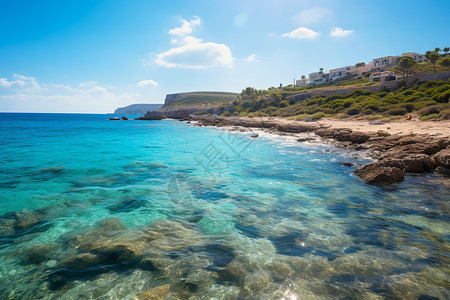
[254, 135]
[39, 253]
[156, 293]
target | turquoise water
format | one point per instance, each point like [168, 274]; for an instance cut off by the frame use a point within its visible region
[98, 209]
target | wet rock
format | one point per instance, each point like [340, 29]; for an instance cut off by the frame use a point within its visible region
[26, 219]
[382, 172]
[201, 278]
[236, 270]
[157, 293]
[39, 253]
[442, 170]
[383, 133]
[442, 158]
[359, 137]
[125, 118]
[343, 135]
[218, 292]
[280, 270]
[81, 261]
[256, 282]
[346, 164]
[307, 139]
[114, 119]
[254, 135]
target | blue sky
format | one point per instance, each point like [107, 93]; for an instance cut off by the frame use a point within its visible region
[94, 56]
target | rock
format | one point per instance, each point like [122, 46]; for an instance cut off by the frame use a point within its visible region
[346, 164]
[125, 118]
[442, 158]
[26, 219]
[154, 115]
[383, 133]
[256, 282]
[201, 278]
[115, 119]
[81, 261]
[379, 173]
[343, 135]
[324, 132]
[376, 122]
[39, 253]
[417, 163]
[254, 135]
[359, 137]
[442, 170]
[157, 293]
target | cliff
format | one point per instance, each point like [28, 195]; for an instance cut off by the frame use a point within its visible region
[197, 100]
[137, 109]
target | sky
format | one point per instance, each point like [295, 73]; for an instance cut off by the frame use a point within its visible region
[92, 56]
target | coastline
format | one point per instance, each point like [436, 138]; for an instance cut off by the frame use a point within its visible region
[399, 148]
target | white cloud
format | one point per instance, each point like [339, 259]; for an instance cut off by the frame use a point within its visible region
[186, 27]
[301, 33]
[147, 82]
[20, 81]
[313, 15]
[196, 55]
[24, 93]
[340, 32]
[192, 52]
[250, 58]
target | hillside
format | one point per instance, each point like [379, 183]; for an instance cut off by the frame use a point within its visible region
[137, 109]
[429, 100]
[197, 100]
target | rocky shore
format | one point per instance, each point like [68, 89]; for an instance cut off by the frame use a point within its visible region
[395, 154]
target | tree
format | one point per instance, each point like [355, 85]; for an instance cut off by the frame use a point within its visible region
[446, 49]
[321, 71]
[405, 64]
[437, 49]
[427, 54]
[445, 62]
[433, 58]
[361, 64]
[303, 77]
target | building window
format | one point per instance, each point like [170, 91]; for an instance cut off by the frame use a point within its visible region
[377, 63]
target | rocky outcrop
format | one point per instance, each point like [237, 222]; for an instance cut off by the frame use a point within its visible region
[442, 158]
[379, 173]
[154, 115]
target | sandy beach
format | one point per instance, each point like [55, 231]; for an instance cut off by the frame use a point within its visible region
[401, 127]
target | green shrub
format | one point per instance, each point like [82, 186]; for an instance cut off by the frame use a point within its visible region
[375, 117]
[409, 107]
[284, 103]
[429, 110]
[442, 97]
[318, 115]
[397, 111]
[445, 114]
[198, 113]
[352, 111]
[428, 117]
[226, 114]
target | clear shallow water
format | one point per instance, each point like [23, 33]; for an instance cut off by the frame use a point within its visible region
[98, 209]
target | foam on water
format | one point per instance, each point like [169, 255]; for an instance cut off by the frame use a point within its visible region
[96, 209]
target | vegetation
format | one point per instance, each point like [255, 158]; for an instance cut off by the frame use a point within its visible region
[428, 100]
[405, 64]
[201, 100]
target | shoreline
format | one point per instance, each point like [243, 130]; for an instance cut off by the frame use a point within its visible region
[398, 147]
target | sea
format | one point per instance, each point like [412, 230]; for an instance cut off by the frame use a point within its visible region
[98, 209]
